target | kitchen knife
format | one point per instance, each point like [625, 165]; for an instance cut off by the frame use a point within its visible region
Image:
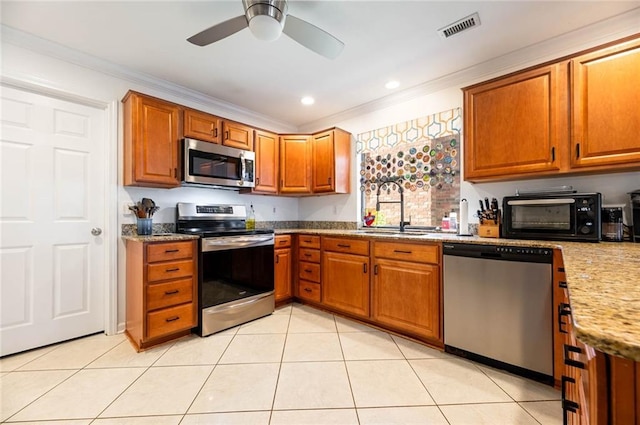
[494, 204]
[481, 205]
[486, 202]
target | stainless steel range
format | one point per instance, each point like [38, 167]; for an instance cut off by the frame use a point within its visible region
[236, 281]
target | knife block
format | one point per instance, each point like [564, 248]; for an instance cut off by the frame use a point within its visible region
[489, 229]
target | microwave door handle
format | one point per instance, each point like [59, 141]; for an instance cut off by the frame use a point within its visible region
[243, 167]
[562, 201]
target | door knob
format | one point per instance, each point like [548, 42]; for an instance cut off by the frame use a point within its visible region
[96, 231]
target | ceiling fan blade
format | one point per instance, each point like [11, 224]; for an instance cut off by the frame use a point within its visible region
[312, 37]
[219, 31]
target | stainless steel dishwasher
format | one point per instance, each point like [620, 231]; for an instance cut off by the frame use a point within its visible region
[498, 307]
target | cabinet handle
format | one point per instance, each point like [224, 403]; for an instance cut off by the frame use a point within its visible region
[564, 309]
[258, 180]
[167, 251]
[399, 251]
[567, 405]
[215, 131]
[307, 270]
[306, 254]
[344, 245]
[175, 291]
[175, 173]
[172, 319]
[561, 269]
[306, 240]
[226, 135]
[577, 150]
[553, 154]
[329, 181]
[281, 183]
[277, 258]
[364, 268]
[173, 270]
[568, 349]
[282, 242]
[562, 284]
[307, 290]
[375, 269]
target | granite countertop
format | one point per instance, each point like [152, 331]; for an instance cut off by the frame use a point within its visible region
[160, 237]
[603, 280]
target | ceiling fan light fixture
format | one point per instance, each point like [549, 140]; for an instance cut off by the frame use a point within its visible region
[265, 28]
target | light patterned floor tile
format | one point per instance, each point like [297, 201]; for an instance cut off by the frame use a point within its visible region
[306, 323]
[402, 416]
[259, 348]
[382, 383]
[273, 324]
[195, 350]
[414, 350]
[346, 325]
[235, 388]
[82, 396]
[487, 414]
[285, 309]
[313, 385]
[232, 418]
[545, 412]
[312, 347]
[452, 381]
[64, 422]
[144, 420]
[75, 354]
[160, 391]
[18, 389]
[297, 308]
[124, 355]
[521, 389]
[369, 346]
[315, 417]
[14, 361]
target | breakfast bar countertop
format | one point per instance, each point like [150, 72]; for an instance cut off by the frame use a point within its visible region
[603, 280]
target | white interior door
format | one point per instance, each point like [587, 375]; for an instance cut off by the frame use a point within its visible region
[52, 268]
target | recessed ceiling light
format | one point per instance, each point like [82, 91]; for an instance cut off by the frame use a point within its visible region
[393, 84]
[307, 100]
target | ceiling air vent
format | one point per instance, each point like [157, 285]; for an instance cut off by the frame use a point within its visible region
[459, 26]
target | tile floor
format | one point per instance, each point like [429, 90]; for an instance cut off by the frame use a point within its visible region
[297, 366]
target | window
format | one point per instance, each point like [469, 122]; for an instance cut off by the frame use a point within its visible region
[422, 156]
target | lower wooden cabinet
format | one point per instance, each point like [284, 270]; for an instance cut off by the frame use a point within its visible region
[282, 268]
[309, 287]
[345, 284]
[161, 291]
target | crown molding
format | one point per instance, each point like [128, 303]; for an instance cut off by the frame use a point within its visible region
[49, 48]
[583, 38]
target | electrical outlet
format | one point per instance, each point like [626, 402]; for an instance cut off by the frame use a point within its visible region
[125, 208]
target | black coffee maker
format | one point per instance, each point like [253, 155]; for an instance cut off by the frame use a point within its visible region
[635, 214]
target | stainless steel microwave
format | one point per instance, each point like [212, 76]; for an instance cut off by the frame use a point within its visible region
[210, 164]
[571, 216]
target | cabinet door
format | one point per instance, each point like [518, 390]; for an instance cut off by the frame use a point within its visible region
[406, 296]
[282, 274]
[346, 282]
[516, 125]
[323, 164]
[604, 107]
[295, 164]
[237, 135]
[201, 126]
[266, 148]
[151, 140]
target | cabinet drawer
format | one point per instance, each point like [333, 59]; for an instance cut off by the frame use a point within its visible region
[348, 246]
[283, 241]
[308, 241]
[310, 255]
[407, 252]
[309, 291]
[172, 270]
[169, 251]
[309, 271]
[162, 295]
[169, 320]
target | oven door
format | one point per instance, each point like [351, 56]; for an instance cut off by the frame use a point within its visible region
[236, 282]
[540, 218]
[211, 164]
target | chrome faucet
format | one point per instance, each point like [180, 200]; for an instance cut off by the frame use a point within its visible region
[401, 201]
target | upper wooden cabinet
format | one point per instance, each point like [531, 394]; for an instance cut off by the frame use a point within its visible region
[266, 147]
[605, 114]
[202, 126]
[152, 133]
[295, 164]
[515, 125]
[237, 135]
[575, 115]
[331, 161]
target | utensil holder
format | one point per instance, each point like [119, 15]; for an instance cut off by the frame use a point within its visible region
[144, 226]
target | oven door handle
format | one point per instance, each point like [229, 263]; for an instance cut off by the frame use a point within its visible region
[222, 243]
[235, 306]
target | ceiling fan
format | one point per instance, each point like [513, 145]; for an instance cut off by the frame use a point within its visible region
[267, 20]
